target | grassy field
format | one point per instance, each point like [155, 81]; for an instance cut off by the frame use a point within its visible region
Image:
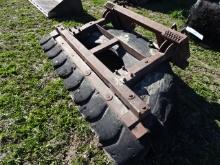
[38, 121]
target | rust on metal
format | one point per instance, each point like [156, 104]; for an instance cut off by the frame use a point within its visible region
[120, 89]
[139, 131]
[140, 20]
[87, 27]
[162, 32]
[104, 46]
[128, 48]
[114, 86]
[127, 117]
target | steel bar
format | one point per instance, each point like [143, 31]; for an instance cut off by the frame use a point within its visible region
[88, 27]
[138, 19]
[104, 46]
[143, 67]
[128, 48]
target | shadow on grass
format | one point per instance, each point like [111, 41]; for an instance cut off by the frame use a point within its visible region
[170, 6]
[206, 44]
[196, 130]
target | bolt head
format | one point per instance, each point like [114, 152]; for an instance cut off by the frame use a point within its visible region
[87, 73]
[131, 96]
[109, 97]
[124, 80]
[132, 75]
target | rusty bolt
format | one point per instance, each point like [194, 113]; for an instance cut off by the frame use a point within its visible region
[109, 97]
[146, 61]
[144, 109]
[123, 67]
[116, 72]
[87, 73]
[132, 75]
[124, 80]
[131, 97]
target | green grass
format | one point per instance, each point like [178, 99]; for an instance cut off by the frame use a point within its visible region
[39, 124]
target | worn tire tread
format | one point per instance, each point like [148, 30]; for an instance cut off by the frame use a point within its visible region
[116, 139]
[94, 108]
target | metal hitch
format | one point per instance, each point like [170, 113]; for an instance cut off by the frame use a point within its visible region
[58, 8]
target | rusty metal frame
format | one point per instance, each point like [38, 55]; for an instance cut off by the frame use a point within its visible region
[115, 104]
[170, 43]
[162, 33]
[128, 97]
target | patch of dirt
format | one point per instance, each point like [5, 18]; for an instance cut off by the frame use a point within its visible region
[71, 153]
[74, 144]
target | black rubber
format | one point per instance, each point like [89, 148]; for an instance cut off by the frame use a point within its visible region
[116, 139]
[45, 39]
[94, 109]
[204, 16]
[59, 60]
[83, 93]
[73, 81]
[53, 52]
[49, 44]
[108, 127]
[126, 150]
[65, 70]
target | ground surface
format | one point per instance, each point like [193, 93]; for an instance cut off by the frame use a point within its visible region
[40, 125]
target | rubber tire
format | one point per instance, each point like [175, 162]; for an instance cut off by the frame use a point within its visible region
[204, 16]
[116, 139]
[156, 88]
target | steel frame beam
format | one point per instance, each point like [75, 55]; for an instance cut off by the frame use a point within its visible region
[144, 21]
